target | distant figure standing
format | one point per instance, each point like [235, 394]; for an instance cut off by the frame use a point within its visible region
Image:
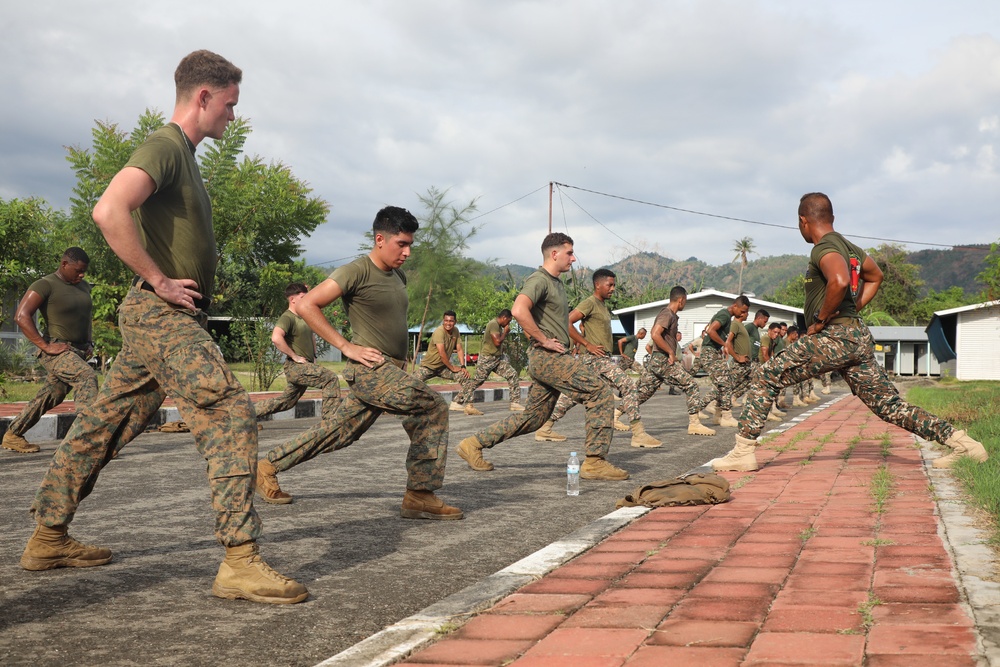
[491, 360]
[627, 347]
[63, 299]
[446, 341]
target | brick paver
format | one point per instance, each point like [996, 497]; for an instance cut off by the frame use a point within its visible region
[799, 568]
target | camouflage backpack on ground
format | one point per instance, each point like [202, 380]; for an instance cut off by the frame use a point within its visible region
[694, 489]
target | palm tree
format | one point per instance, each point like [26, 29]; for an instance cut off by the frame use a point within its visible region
[743, 248]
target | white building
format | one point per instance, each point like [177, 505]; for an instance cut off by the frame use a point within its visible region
[905, 351]
[966, 341]
[700, 308]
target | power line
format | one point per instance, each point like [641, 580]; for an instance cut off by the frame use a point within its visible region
[482, 215]
[751, 222]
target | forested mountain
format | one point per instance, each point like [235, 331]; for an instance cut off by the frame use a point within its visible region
[939, 269]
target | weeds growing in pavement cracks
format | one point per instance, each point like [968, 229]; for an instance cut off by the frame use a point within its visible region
[865, 610]
[742, 481]
[807, 533]
[881, 487]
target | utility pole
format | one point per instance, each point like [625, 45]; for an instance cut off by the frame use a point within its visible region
[550, 206]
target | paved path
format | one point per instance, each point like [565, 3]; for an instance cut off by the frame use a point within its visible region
[805, 566]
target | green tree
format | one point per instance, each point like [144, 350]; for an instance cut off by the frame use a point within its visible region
[953, 297]
[990, 277]
[901, 284]
[28, 250]
[792, 293]
[743, 249]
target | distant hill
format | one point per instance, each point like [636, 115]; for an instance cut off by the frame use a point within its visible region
[939, 269]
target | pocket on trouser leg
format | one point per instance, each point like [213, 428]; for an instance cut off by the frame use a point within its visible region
[231, 478]
[198, 374]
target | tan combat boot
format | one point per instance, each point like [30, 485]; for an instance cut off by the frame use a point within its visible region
[773, 417]
[782, 403]
[425, 505]
[597, 467]
[824, 390]
[725, 418]
[708, 412]
[470, 410]
[812, 396]
[775, 410]
[50, 547]
[456, 407]
[546, 434]
[740, 458]
[619, 424]
[516, 407]
[642, 439]
[798, 402]
[16, 443]
[471, 450]
[695, 427]
[267, 484]
[244, 575]
[961, 445]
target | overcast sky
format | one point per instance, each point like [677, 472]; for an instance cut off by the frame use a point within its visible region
[730, 108]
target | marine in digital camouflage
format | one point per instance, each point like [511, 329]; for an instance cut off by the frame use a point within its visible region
[424, 374]
[714, 362]
[494, 363]
[164, 351]
[385, 388]
[659, 370]
[554, 373]
[300, 377]
[606, 368]
[849, 349]
[64, 371]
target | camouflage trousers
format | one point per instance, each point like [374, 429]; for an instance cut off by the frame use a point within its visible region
[715, 363]
[848, 348]
[659, 370]
[493, 363]
[627, 363]
[740, 377]
[553, 373]
[298, 378]
[424, 374]
[64, 371]
[385, 388]
[615, 377]
[165, 351]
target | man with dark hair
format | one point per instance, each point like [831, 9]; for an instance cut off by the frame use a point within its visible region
[491, 360]
[157, 217]
[446, 341]
[840, 281]
[63, 299]
[373, 289]
[664, 364]
[596, 339]
[714, 359]
[543, 313]
[627, 348]
[293, 338]
[760, 319]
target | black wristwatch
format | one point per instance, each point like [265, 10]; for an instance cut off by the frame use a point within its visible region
[817, 319]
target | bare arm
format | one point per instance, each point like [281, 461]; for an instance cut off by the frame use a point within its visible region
[499, 338]
[621, 346]
[278, 338]
[660, 341]
[310, 309]
[574, 333]
[25, 318]
[446, 360]
[522, 313]
[713, 333]
[872, 276]
[113, 214]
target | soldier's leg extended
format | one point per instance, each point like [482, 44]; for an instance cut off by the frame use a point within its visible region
[677, 376]
[652, 377]
[715, 362]
[484, 367]
[627, 388]
[316, 376]
[288, 398]
[507, 372]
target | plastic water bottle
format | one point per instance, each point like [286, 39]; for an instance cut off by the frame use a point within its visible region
[573, 475]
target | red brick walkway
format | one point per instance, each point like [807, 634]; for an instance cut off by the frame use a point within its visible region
[801, 568]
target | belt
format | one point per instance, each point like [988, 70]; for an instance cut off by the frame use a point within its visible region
[843, 320]
[199, 304]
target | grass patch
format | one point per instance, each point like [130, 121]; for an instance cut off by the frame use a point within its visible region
[865, 611]
[807, 533]
[971, 406]
[886, 444]
[742, 481]
[878, 542]
[881, 487]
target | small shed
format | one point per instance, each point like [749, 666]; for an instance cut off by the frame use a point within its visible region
[965, 339]
[905, 351]
[700, 308]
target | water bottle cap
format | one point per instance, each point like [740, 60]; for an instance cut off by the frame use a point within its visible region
[572, 453]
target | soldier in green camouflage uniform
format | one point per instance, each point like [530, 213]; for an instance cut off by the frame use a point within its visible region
[373, 289]
[170, 244]
[840, 281]
[663, 364]
[715, 361]
[445, 341]
[63, 299]
[543, 313]
[595, 317]
[627, 348]
[293, 338]
[491, 360]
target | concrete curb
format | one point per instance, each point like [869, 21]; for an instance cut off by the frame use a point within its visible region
[974, 562]
[402, 638]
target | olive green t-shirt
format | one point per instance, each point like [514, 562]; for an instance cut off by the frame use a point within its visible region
[667, 319]
[298, 335]
[549, 308]
[779, 346]
[630, 346]
[765, 343]
[375, 302]
[175, 222]
[754, 334]
[488, 349]
[815, 282]
[723, 318]
[741, 340]
[67, 309]
[596, 322]
[450, 339]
